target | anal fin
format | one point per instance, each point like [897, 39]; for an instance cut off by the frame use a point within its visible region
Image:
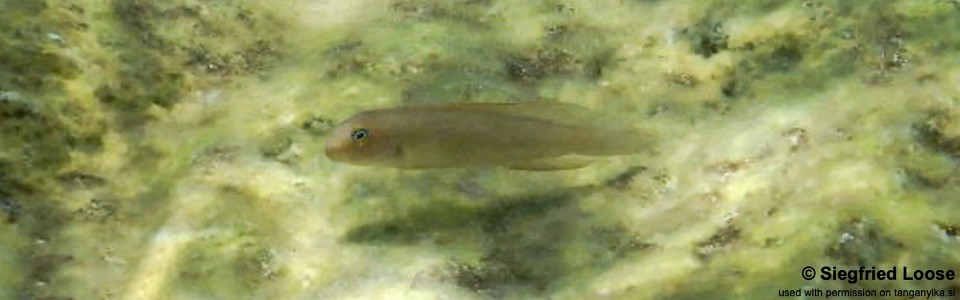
[567, 162]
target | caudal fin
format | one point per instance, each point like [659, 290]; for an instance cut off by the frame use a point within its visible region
[617, 141]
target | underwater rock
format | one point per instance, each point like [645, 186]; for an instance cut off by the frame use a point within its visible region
[10, 209]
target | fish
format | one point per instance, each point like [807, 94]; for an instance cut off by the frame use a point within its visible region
[535, 136]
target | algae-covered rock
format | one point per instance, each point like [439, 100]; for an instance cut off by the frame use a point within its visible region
[174, 149]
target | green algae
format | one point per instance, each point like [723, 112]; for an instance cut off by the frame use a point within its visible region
[523, 240]
[174, 149]
[34, 142]
[230, 264]
[56, 103]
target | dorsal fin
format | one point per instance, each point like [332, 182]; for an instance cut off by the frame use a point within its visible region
[555, 112]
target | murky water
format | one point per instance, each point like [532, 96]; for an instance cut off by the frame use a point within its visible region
[175, 150]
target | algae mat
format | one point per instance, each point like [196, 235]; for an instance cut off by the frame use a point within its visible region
[174, 150]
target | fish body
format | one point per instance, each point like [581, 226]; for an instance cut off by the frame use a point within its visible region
[537, 135]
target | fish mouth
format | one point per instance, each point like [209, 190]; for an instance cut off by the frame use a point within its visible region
[334, 151]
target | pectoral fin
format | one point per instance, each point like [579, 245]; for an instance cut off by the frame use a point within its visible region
[567, 162]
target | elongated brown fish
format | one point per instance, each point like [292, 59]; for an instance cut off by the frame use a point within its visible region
[529, 136]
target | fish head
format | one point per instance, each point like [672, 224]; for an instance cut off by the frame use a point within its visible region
[362, 140]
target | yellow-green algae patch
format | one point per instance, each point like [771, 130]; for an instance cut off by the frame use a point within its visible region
[173, 150]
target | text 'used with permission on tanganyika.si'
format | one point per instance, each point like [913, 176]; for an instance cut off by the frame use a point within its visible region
[853, 276]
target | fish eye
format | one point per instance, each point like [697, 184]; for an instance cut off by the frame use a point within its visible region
[359, 134]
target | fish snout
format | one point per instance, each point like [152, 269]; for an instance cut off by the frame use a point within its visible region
[336, 149]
